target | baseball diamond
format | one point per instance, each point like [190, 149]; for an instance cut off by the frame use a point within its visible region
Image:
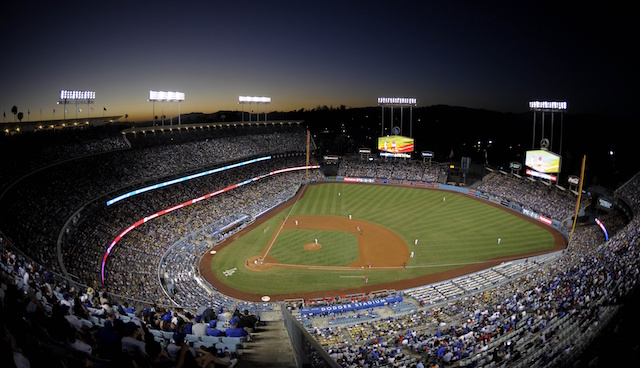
[322, 243]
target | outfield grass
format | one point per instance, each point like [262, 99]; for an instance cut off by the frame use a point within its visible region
[452, 230]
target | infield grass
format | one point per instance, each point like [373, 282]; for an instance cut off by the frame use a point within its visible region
[452, 230]
[338, 248]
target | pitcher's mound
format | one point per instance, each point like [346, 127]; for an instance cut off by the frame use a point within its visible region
[312, 246]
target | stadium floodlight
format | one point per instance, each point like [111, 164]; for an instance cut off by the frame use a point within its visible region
[166, 96]
[258, 100]
[76, 97]
[547, 105]
[398, 102]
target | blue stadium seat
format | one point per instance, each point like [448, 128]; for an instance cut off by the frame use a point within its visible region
[210, 340]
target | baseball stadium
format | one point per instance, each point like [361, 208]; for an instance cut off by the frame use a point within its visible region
[247, 242]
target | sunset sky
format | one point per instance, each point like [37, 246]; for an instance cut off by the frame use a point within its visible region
[495, 56]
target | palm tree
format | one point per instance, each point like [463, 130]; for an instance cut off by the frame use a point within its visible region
[14, 110]
[20, 116]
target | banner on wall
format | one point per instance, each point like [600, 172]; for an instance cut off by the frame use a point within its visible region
[349, 307]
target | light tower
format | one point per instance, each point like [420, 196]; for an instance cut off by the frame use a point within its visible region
[168, 96]
[75, 97]
[551, 107]
[401, 102]
[258, 100]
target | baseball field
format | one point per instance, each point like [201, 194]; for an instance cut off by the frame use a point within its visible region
[336, 238]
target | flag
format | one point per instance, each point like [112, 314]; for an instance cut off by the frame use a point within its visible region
[92, 109]
[105, 109]
[54, 111]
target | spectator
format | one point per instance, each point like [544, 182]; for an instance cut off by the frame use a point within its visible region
[212, 330]
[199, 328]
[234, 331]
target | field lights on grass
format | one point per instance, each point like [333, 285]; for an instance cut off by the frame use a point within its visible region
[190, 202]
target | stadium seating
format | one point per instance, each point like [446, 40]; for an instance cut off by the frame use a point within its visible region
[535, 313]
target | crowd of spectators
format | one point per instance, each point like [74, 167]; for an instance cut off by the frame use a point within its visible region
[543, 316]
[47, 323]
[21, 154]
[179, 264]
[145, 245]
[545, 199]
[390, 169]
[60, 191]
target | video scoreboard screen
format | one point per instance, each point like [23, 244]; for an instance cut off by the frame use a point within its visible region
[395, 144]
[543, 161]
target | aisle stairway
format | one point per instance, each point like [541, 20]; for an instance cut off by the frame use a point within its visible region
[270, 347]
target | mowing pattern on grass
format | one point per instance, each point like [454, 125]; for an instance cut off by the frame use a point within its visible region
[339, 248]
[434, 231]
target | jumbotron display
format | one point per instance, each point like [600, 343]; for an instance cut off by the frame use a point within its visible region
[543, 161]
[395, 146]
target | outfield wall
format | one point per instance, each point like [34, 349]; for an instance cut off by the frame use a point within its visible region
[512, 205]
